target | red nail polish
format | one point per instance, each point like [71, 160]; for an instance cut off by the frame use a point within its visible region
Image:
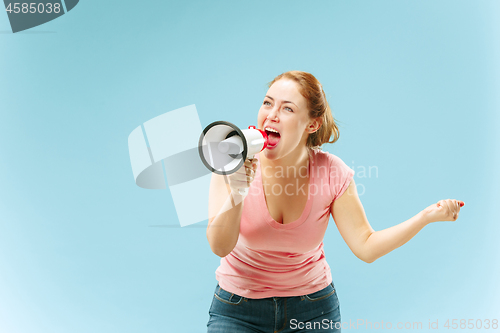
[462, 204]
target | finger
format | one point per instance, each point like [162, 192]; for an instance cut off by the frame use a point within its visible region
[460, 203]
[251, 160]
[253, 168]
[240, 176]
[243, 177]
[448, 208]
[251, 165]
[245, 169]
[456, 208]
[250, 172]
[239, 184]
[452, 209]
[238, 179]
[239, 173]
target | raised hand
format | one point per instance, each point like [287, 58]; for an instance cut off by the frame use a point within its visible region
[244, 176]
[443, 210]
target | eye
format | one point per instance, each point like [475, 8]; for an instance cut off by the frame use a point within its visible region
[267, 103]
[289, 109]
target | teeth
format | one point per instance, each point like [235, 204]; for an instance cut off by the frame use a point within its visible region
[271, 130]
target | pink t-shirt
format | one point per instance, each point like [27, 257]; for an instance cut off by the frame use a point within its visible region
[272, 259]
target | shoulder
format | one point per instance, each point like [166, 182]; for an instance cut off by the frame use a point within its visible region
[334, 170]
[320, 157]
[332, 167]
[328, 159]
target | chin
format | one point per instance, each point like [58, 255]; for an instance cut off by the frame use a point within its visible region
[270, 154]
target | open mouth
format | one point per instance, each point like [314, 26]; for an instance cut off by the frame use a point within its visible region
[273, 137]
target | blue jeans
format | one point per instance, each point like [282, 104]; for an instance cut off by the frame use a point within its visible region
[316, 312]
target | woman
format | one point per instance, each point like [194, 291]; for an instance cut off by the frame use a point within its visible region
[273, 273]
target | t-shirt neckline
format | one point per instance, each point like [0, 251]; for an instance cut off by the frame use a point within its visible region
[305, 212]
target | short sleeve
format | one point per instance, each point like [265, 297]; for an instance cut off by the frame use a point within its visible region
[340, 176]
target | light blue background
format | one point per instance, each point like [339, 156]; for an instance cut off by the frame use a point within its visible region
[414, 84]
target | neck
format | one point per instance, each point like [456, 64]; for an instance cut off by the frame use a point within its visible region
[296, 159]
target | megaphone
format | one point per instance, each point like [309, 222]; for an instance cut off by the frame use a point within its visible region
[223, 147]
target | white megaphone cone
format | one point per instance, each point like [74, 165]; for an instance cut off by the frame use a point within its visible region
[223, 147]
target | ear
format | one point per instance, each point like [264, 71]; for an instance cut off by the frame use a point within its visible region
[314, 125]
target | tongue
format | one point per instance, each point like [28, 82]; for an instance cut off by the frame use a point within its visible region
[273, 138]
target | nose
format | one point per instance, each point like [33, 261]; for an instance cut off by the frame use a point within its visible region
[273, 115]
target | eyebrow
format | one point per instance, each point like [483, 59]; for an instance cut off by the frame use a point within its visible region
[283, 101]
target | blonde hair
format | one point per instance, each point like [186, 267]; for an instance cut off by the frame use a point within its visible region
[318, 106]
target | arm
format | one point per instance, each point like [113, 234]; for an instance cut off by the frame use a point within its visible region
[369, 245]
[225, 210]
[225, 206]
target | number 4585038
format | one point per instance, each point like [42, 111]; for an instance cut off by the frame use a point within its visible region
[471, 324]
[33, 8]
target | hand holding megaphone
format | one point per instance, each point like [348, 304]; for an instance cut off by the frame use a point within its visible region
[240, 181]
[223, 148]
